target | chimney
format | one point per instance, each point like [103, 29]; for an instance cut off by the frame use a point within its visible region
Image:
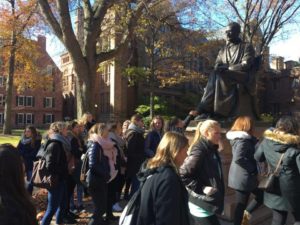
[42, 42]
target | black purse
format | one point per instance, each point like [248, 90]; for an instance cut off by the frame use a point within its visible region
[270, 182]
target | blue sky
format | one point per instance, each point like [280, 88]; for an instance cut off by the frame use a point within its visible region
[288, 47]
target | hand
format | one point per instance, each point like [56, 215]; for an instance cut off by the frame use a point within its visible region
[221, 67]
[193, 113]
[209, 190]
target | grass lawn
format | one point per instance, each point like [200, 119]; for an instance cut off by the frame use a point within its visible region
[15, 137]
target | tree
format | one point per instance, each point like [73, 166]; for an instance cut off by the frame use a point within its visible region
[16, 17]
[166, 62]
[261, 20]
[85, 54]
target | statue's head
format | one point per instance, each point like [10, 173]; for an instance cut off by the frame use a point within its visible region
[233, 31]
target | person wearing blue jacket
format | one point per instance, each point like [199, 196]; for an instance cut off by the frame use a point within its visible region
[98, 174]
[154, 136]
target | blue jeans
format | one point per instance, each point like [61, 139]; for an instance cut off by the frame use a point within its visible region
[135, 184]
[56, 203]
[28, 179]
[79, 190]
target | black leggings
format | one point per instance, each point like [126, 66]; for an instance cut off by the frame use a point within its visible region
[241, 198]
[279, 217]
[210, 220]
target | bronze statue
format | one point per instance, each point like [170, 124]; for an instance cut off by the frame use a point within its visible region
[231, 87]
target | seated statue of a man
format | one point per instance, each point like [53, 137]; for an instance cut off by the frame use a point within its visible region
[232, 82]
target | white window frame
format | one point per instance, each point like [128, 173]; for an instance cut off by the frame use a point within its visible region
[29, 115]
[24, 99]
[50, 99]
[27, 97]
[48, 115]
[23, 117]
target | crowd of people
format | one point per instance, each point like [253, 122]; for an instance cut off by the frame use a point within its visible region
[179, 183]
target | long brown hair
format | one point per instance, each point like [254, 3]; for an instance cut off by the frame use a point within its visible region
[243, 123]
[167, 150]
[33, 133]
[12, 182]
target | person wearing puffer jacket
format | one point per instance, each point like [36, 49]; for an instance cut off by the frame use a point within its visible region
[98, 173]
[243, 168]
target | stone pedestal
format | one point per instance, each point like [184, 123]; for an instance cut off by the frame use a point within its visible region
[262, 214]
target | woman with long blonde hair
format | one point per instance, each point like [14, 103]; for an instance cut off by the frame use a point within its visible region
[162, 188]
[202, 174]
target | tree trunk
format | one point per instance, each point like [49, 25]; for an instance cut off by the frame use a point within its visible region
[10, 80]
[85, 90]
[151, 104]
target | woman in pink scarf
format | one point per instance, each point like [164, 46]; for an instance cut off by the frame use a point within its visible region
[109, 150]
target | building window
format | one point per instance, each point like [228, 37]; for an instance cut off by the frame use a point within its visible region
[20, 100]
[48, 118]
[49, 102]
[49, 69]
[2, 100]
[20, 118]
[29, 118]
[1, 118]
[2, 81]
[29, 101]
[65, 59]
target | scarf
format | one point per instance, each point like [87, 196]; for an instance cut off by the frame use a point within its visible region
[26, 140]
[66, 143]
[134, 127]
[120, 141]
[109, 150]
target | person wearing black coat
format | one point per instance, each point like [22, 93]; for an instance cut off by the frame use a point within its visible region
[284, 139]
[56, 163]
[243, 168]
[202, 174]
[135, 144]
[164, 199]
[28, 148]
[16, 206]
[98, 174]
[154, 136]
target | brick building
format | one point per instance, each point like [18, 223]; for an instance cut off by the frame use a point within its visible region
[115, 99]
[280, 94]
[40, 106]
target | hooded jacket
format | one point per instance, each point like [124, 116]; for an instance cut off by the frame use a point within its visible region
[288, 186]
[203, 168]
[243, 168]
[164, 199]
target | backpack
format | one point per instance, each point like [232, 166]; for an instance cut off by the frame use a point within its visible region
[41, 177]
[84, 169]
[130, 213]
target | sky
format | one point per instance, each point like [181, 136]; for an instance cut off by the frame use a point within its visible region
[288, 47]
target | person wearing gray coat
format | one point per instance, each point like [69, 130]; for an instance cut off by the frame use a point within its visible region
[243, 168]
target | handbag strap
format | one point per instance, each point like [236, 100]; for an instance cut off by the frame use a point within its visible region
[276, 171]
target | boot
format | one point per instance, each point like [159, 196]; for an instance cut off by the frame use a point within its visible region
[246, 218]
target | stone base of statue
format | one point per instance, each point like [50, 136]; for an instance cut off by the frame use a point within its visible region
[261, 215]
